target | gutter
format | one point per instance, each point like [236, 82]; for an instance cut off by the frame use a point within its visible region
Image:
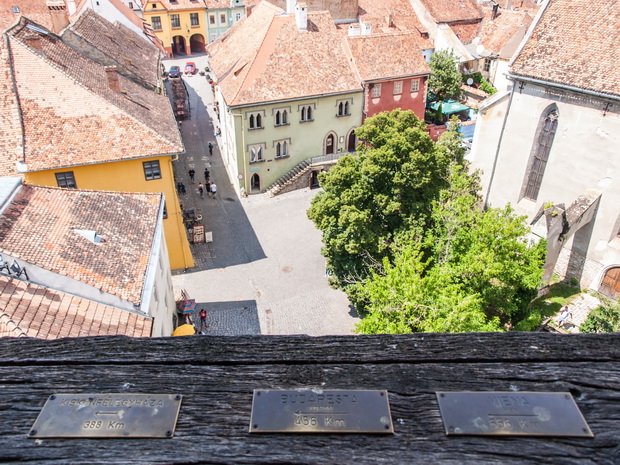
[370, 81]
[603, 95]
[295, 99]
[14, 85]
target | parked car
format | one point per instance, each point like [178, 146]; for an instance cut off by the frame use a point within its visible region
[174, 72]
[190, 68]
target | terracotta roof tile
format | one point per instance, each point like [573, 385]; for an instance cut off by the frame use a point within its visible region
[576, 43]
[265, 57]
[35, 9]
[129, 51]
[496, 33]
[466, 31]
[449, 11]
[70, 114]
[380, 56]
[11, 148]
[387, 15]
[186, 4]
[72, 317]
[39, 227]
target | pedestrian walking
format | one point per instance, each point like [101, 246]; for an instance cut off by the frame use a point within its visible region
[179, 184]
[201, 189]
[208, 188]
[213, 190]
[210, 148]
[207, 173]
[183, 190]
[203, 319]
[191, 175]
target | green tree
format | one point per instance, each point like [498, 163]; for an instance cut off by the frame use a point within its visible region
[471, 271]
[383, 191]
[445, 80]
[603, 319]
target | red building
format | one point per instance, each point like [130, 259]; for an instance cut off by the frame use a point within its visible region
[392, 70]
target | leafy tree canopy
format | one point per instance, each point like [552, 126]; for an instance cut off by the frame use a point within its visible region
[384, 190]
[604, 319]
[445, 80]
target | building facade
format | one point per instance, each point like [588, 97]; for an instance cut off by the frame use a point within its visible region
[180, 25]
[549, 145]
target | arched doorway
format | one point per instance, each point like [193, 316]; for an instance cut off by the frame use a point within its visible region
[351, 141]
[330, 144]
[255, 183]
[197, 43]
[610, 286]
[178, 45]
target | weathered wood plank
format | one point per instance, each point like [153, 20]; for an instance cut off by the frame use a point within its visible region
[214, 418]
[498, 347]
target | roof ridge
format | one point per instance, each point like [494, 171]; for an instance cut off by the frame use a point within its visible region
[96, 191]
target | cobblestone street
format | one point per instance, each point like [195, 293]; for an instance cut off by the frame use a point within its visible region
[263, 273]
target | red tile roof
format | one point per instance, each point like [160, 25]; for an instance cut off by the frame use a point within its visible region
[188, 4]
[576, 43]
[37, 10]
[398, 13]
[380, 56]
[120, 44]
[27, 309]
[71, 116]
[449, 11]
[466, 31]
[496, 33]
[39, 226]
[10, 127]
[265, 57]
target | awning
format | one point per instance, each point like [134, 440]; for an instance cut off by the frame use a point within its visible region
[449, 107]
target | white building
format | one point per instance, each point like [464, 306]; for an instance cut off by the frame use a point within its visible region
[549, 146]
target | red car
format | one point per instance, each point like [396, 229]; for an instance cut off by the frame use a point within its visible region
[190, 68]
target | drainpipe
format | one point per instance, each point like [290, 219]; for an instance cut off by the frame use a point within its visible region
[499, 145]
[245, 174]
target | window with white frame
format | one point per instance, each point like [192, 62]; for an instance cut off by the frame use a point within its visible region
[156, 23]
[415, 85]
[398, 87]
[212, 19]
[255, 120]
[256, 153]
[343, 107]
[282, 148]
[223, 18]
[306, 113]
[281, 116]
[487, 64]
[376, 91]
[175, 21]
[237, 16]
[193, 17]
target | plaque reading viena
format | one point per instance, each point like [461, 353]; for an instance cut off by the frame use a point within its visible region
[108, 415]
[512, 413]
[320, 411]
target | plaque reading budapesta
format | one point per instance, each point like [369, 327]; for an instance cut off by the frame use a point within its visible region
[512, 413]
[320, 411]
[108, 416]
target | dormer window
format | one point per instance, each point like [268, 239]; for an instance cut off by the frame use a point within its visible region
[16, 9]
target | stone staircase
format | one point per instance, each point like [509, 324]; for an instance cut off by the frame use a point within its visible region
[288, 178]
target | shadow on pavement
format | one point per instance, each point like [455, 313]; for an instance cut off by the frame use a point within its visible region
[234, 318]
[234, 239]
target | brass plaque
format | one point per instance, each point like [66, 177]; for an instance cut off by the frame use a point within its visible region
[512, 413]
[108, 416]
[319, 411]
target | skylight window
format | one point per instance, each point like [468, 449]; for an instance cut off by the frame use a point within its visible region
[15, 9]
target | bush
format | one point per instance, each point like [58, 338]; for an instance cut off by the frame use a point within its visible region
[530, 323]
[603, 319]
[487, 87]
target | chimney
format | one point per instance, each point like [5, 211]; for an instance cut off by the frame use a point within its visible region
[365, 28]
[34, 41]
[301, 16]
[495, 14]
[113, 80]
[389, 22]
[354, 30]
[58, 14]
[248, 11]
[290, 6]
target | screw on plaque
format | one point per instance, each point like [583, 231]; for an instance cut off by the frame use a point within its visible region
[168, 433]
[33, 432]
[52, 397]
[177, 397]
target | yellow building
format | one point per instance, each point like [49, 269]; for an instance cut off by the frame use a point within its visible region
[80, 124]
[181, 25]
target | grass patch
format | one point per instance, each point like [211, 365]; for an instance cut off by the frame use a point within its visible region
[558, 295]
